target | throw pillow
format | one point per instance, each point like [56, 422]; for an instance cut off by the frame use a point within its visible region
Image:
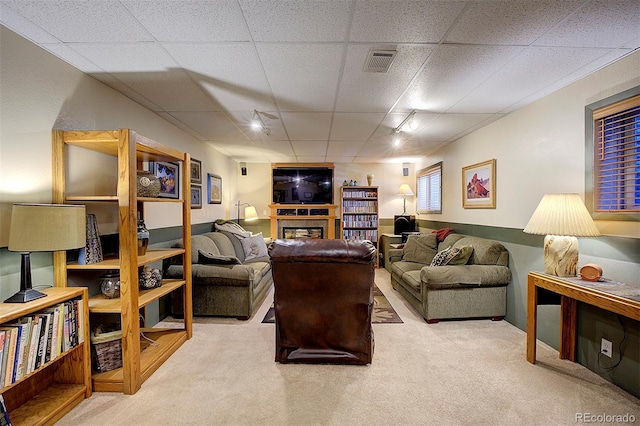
[254, 247]
[420, 248]
[441, 234]
[216, 259]
[442, 257]
[462, 257]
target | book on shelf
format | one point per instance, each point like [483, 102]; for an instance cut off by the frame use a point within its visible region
[9, 358]
[41, 344]
[4, 413]
[34, 335]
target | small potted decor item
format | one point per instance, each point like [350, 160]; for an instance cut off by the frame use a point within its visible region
[110, 285]
[147, 184]
[150, 278]
[143, 238]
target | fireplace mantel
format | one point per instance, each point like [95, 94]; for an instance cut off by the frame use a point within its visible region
[303, 215]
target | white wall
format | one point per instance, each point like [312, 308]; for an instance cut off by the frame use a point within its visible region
[39, 93]
[539, 149]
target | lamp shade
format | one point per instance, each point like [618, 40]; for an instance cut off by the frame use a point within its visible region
[405, 190]
[250, 213]
[47, 227]
[562, 214]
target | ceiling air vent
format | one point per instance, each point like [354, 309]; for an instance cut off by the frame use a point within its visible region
[379, 60]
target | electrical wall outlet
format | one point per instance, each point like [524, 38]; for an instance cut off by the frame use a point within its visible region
[606, 348]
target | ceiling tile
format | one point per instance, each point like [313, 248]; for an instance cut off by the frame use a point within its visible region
[403, 21]
[19, 24]
[170, 20]
[307, 148]
[277, 20]
[339, 159]
[501, 22]
[214, 126]
[311, 159]
[529, 72]
[445, 127]
[83, 21]
[344, 148]
[354, 126]
[231, 73]
[621, 18]
[307, 126]
[302, 77]
[376, 92]
[452, 71]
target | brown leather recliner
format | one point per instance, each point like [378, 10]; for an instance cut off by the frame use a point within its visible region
[323, 300]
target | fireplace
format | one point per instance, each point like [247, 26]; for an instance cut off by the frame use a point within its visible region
[290, 232]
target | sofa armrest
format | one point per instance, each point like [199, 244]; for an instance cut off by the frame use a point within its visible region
[480, 275]
[395, 255]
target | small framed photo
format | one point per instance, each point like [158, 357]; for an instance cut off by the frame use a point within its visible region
[479, 185]
[196, 197]
[169, 176]
[196, 171]
[214, 188]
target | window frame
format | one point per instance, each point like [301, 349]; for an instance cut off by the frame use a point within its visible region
[421, 173]
[590, 146]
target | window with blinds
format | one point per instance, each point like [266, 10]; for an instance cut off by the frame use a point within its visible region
[616, 161]
[429, 189]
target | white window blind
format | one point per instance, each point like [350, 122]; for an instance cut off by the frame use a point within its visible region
[429, 189]
[617, 157]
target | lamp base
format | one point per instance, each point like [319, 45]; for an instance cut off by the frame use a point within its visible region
[560, 255]
[24, 296]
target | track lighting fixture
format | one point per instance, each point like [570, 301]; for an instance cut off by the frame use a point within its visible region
[412, 123]
[258, 123]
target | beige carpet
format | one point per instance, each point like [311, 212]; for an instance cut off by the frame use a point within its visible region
[451, 373]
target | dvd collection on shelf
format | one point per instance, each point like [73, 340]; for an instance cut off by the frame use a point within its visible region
[36, 339]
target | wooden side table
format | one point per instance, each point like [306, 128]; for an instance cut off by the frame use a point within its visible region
[620, 298]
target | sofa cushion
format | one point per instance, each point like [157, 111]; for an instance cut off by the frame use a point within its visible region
[442, 277]
[420, 248]
[224, 244]
[235, 242]
[213, 259]
[485, 252]
[201, 243]
[254, 247]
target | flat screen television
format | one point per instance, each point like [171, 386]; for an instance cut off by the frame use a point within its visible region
[302, 185]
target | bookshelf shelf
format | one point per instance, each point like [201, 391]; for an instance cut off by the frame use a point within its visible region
[43, 396]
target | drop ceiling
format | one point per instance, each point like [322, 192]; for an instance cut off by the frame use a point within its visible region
[205, 66]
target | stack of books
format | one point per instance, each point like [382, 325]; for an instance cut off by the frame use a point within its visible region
[36, 339]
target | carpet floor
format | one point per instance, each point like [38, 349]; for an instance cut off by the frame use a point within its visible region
[383, 312]
[454, 373]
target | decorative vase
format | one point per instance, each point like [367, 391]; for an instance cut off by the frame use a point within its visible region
[369, 179]
[110, 285]
[147, 184]
[92, 251]
[143, 238]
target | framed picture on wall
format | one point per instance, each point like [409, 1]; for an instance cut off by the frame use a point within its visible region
[196, 197]
[196, 171]
[214, 188]
[169, 176]
[479, 185]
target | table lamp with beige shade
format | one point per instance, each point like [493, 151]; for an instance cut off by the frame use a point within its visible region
[43, 227]
[561, 218]
[405, 191]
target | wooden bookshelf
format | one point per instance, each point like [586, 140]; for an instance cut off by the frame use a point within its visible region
[45, 395]
[130, 150]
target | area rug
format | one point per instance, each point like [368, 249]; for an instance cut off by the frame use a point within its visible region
[383, 312]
